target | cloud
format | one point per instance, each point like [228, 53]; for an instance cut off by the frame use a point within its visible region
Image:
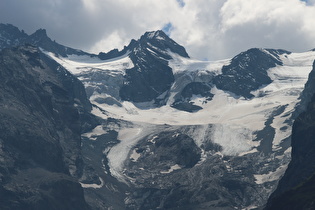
[221, 29]
[209, 29]
[284, 24]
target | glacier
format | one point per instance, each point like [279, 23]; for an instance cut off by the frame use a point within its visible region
[234, 123]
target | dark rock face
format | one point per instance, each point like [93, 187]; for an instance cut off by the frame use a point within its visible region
[308, 92]
[151, 75]
[197, 88]
[152, 78]
[168, 149]
[247, 72]
[194, 88]
[111, 54]
[41, 189]
[267, 134]
[296, 190]
[40, 128]
[186, 106]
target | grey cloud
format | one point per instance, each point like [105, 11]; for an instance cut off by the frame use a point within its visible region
[62, 19]
[68, 22]
[206, 28]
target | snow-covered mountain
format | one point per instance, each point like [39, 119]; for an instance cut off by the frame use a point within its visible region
[193, 134]
[176, 132]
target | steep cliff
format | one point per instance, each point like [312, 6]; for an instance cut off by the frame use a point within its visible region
[42, 107]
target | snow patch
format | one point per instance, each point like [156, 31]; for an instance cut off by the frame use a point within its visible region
[272, 176]
[97, 131]
[95, 186]
[135, 155]
[173, 168]
[99, 113]
[153, 139]
[249, 152]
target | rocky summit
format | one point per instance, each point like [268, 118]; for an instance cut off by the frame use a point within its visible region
[148, 127]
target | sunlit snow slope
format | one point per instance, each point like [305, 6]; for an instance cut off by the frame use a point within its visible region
[225, 108]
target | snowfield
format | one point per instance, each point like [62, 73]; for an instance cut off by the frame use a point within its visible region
[95, 186]
[78, 64]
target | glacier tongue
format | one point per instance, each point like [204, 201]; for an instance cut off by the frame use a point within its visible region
[233, 139]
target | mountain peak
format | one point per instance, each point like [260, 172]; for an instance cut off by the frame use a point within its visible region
[159, 40]
[10, 36]
[40, 35]
[248, 68]
[9, 28]
[40, 32]
[159, 34]
[152, 41]
[151, 75]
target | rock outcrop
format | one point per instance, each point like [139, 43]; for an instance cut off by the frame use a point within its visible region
[248, 71]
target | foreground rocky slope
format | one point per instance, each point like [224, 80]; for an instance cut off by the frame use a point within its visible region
[43, 108]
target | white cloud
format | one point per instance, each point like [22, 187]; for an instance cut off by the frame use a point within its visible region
[222, 29]
[128, 19]
[284, 24]
[208, 29]
[117, 39]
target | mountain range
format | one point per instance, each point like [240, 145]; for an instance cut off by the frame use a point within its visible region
[148, 127]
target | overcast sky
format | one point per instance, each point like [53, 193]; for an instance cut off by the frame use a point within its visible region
[208, 29]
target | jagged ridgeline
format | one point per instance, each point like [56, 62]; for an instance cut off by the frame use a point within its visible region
[148, 127]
